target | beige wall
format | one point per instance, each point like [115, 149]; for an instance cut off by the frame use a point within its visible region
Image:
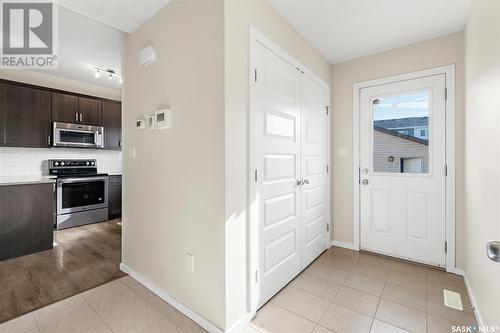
[428, 54]
[240, 15]
[58, 82]
[482, 155]
[174, 189]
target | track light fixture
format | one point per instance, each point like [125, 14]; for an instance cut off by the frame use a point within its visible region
[110, 73]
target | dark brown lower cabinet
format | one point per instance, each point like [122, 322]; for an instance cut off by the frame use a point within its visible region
[27, 219]
[115, 196]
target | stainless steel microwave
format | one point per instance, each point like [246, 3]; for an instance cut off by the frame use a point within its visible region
[77, 135]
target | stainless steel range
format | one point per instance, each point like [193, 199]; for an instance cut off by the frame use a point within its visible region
[82, 193]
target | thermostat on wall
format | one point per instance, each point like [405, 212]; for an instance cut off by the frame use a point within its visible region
[163, 119]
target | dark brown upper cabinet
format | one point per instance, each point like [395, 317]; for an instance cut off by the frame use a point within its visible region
[112, 122]
[65, 108]
[74, 109]
[34, 124]
[27, 113]
[25, 116]
[90, 111]
[9, 98]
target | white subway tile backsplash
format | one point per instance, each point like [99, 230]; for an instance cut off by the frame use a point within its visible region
[32, 161]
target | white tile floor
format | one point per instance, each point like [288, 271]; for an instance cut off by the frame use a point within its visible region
[342, 291]
[348, 291]
[120, 306]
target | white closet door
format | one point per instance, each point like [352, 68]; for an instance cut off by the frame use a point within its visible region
[276, 98]
[314, 156]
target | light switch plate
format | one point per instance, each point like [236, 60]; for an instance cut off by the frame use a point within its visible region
[190, 262]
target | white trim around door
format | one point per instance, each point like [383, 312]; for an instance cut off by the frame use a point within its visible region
[258, 39]
[449, 72]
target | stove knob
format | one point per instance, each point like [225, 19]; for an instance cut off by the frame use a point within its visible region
[93, 163]
[87, 162]
[62, 163]
[56, 163]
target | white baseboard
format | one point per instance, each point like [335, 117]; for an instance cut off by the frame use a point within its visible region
[479, 318]
[184, 309]
[241, 323]
[179, 306]
[349, 246]
[456, 270]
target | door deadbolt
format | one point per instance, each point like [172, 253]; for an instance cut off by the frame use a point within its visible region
[364, 171]
[365, 181]
[493, 250]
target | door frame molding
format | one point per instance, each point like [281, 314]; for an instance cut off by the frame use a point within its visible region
[256, 38]
[449, 71]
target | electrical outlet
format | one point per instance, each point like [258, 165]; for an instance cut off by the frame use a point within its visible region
[190, 262]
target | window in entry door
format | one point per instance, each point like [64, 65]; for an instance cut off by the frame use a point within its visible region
[401, 132]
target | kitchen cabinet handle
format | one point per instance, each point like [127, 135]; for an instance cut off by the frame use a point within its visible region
[76, 116]
[81, 117]
[48, 140]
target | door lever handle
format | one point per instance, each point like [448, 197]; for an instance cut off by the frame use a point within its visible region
[493, 250]
[306, 181]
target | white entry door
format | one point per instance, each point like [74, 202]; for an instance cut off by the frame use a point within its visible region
[290, 157]
[402, 169]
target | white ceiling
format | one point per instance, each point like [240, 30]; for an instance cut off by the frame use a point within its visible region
[342, 30]
[91, 33]
[83, 43]
[124, 15]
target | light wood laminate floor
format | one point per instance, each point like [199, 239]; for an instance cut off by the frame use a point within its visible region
[84, 257]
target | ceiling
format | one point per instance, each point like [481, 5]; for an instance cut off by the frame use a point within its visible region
[343, 30]
[83, 43]
[91, 33]
[124, 15]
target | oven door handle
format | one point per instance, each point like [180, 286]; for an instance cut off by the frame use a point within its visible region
[80, 180]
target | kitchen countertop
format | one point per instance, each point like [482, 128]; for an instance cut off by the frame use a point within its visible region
[25, 180]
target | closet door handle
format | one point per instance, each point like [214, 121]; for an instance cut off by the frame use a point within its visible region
[298, 182]
[493, 250]
[306, 181]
